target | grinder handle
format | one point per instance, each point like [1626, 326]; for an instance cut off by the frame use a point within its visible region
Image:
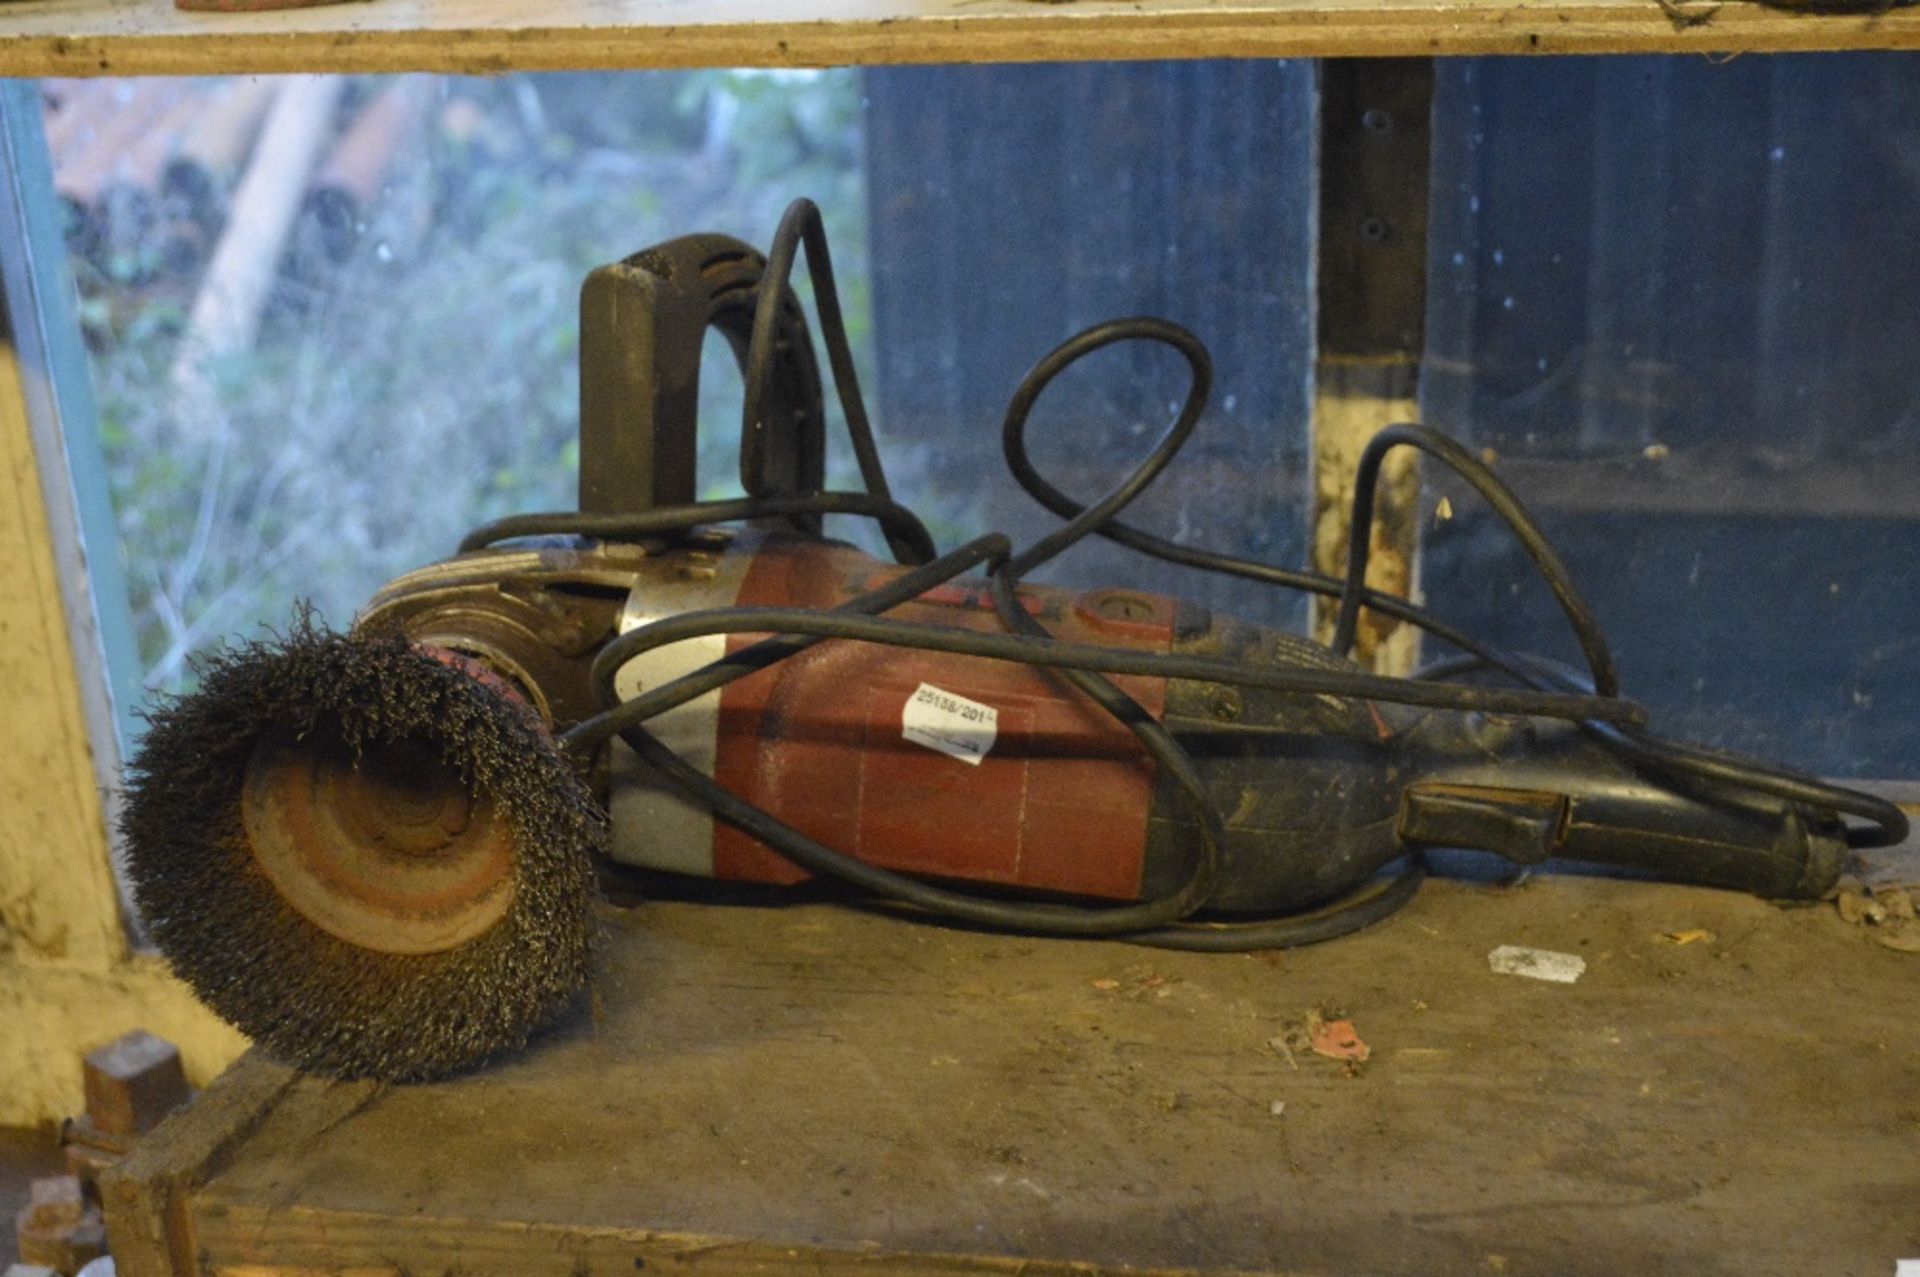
[643, 322]
[1533, 790]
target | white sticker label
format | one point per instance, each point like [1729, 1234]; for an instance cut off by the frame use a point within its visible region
[952, 724]
[1537, 964]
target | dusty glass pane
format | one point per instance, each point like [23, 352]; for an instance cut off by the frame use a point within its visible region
[1679, 301]
[405, 367]
[1013, 206]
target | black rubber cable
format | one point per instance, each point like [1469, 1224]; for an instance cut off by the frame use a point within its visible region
[1051, 653]
[1343, 917]
[1108, 507]
[1586, 626]
[913, 543]
[801, 225]
[1349, 914]
[1014, 447]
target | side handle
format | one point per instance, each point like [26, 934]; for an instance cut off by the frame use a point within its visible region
[643, 322]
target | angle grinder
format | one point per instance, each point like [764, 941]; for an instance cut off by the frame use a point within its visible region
[375, 852]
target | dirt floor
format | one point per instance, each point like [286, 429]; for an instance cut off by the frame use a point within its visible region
[1728, 1087]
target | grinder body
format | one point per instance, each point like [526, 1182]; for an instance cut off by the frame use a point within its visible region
[968, 769]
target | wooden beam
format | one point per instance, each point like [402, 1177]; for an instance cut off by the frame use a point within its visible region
[144, 37]
[1371, 296]
[811, 1090]
[147, 1193]
[1717, 486]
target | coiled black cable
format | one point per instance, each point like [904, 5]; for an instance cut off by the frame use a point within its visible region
[1162, 921]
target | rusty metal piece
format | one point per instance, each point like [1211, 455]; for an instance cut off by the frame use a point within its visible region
[58, 1227]
[384, 847]
[132, 1083]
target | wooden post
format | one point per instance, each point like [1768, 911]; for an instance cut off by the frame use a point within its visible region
[1375, 152]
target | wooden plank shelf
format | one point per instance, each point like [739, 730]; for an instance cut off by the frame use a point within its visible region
[810, 1090]
[151, 37]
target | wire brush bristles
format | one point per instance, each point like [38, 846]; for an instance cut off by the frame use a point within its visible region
[313, 1000]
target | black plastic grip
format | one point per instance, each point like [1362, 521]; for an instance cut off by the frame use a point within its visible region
[1532, 790]
[643, 322]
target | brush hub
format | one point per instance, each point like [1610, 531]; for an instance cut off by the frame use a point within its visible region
[402, 800]
[386, 847]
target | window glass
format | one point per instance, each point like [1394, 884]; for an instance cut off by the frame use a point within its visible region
[1675, 301]
[1678, 301]
[397, 359]
[321, 354]
[1013, 206]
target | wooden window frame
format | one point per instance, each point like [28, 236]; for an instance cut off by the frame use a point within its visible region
[69, 976]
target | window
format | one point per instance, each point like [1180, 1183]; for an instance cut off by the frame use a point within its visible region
[1673, 299]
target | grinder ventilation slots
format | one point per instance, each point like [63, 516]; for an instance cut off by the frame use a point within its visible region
[376, 852]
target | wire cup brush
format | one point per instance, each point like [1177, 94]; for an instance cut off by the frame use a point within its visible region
[372, 861]
[375, 852]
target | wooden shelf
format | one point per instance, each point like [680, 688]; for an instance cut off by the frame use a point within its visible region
[809, 1092]
[150, 37]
